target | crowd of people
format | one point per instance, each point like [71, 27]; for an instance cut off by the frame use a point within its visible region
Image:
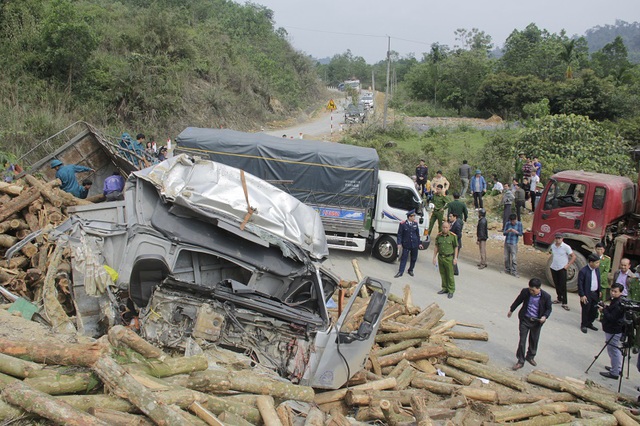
[599, 299]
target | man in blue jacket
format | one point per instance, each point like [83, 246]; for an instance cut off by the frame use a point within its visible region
[536, 308]
[478, 187]
[589, 292]
[409, 240]
[67, 175]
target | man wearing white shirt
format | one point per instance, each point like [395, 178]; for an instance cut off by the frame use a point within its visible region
[563, 257]
[533, 184]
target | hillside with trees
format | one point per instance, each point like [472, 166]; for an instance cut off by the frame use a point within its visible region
[150, 66]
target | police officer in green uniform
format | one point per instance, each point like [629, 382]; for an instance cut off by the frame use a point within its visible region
[440, 203]
[605, 268]
[445, 255]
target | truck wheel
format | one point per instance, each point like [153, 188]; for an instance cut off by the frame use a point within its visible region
[572, 272]
[386, 249]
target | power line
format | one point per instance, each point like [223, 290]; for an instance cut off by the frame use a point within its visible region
[356, 34]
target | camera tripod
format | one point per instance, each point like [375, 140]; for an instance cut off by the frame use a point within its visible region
[626, 341]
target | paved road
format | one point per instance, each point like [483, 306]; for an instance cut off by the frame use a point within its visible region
[484, 297]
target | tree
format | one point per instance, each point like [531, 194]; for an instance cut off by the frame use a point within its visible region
[566, 142]
[67, 41]
[473, 39]
[568, 55]
[612, 60]
[588, 96]
[507, 95]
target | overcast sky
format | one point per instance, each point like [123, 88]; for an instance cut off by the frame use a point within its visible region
[325, 28]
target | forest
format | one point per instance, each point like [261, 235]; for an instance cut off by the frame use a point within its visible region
[159, 66]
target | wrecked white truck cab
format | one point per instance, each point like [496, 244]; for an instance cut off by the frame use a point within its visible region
[209, 253]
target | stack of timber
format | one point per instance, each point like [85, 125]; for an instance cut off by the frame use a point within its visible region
[28, 205]
[415, 374]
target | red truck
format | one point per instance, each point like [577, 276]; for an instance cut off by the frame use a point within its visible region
[588, 208]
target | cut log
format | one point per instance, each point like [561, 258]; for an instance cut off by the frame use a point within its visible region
[53, 310]
[553, 419]
[356, 268]
[420, 333]
[375, 365]
[29, 250]
[53, 352]
[389, 326]
[125, 386]
[120, 335]
[17, 367]
[118, 418]
[445, 326]
[285, 414]
[268, 411]
[315, 417]
[423, 314]
[62, 384]
[624, 419]
[18, 203]
[45, 190]
[233, 419]
[602, 420]
[207, 416]
[336, 418]
[392, 417]
[404, 379]
[425, 366]
[433, 386]
[7, 241]
[399, 368]
[397, 347]
[479, 394]
[454, 351]
[335, 395]
[466, 335]
[459, 376]
[419, 407]
[373, 398]
[408, 301]
[481, 370]
[171, 366]
[412, 354]
[44, 405]
[203, 381]
[11, 189]
[509, 397]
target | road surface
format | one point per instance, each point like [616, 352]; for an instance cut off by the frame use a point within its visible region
[484, 296]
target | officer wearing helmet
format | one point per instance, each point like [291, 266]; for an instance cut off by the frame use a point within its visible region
[67, 175]
[482, 235]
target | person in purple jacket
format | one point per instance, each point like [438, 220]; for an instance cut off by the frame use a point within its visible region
[113, 186]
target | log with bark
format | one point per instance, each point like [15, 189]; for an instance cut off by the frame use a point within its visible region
[53, 352]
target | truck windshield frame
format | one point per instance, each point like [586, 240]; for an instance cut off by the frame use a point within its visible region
[401, 198]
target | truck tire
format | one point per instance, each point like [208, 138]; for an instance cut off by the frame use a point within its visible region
[572, 272]
[386, 249]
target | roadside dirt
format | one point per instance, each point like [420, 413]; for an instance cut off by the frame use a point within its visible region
[531, 262]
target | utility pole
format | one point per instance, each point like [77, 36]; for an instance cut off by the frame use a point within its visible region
[386, 91]
[373, 80]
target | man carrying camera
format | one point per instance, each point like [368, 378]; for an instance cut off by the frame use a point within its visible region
[613, 326]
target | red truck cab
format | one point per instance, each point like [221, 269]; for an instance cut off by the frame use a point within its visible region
[581, 205]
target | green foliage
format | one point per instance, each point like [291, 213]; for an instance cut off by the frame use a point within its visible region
[611, 60]
[536, 109]
[507, 95]
[573, 142]
[599, 36]
[152, 66]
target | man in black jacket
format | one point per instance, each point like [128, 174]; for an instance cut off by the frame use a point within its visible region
[482, 235]
[612, 324]
[536, 308]
[589, 292]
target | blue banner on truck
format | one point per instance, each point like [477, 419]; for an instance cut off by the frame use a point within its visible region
[340, 214]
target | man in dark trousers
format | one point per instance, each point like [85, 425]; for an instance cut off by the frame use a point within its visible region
[409, 239]
[613, 325]
[589, 292]
[536, 308]
[422, 173]
[482, 235]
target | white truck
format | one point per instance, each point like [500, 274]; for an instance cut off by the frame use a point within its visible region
[360, 206]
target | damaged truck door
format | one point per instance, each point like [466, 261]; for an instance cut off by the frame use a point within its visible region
[216, 257]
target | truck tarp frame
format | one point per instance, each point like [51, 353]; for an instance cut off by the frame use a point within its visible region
[326, 173]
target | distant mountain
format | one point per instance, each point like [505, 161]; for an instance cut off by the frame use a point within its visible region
[599, 36]
[321, 61]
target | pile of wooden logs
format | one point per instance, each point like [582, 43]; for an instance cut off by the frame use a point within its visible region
[28, 205]
[414, 375]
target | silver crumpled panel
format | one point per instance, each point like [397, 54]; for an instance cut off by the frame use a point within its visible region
[215, 190]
